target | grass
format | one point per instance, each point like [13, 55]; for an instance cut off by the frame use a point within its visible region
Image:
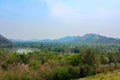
[111, 75]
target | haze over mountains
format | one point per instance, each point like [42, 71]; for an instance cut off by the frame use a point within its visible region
[88, 38]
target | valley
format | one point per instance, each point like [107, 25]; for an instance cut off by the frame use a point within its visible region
[62, 59]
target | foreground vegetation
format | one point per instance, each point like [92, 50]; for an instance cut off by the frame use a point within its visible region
[111, 75]
[46, 65]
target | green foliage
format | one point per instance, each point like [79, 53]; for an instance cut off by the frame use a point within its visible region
[89, 57]
[104, 59]
[74, 59]
[47, 65]
[34, 64]
[75, 72]
[63, 73]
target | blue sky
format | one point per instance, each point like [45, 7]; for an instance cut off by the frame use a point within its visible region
[42, 19]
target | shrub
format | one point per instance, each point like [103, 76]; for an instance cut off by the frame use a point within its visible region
[62, 73]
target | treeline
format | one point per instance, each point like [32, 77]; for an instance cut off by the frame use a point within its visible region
[45, 65]
[69, 47]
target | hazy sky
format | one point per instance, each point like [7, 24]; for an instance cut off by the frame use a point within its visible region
[41, 19]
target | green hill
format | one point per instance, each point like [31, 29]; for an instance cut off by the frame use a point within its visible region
[111, 75]
[5, 43]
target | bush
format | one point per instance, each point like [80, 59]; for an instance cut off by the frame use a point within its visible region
[75, 72]
[63, 73]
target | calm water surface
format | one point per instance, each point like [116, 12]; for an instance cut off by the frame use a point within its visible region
[22, 50]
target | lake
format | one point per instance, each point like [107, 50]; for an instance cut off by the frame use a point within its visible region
[24, 50]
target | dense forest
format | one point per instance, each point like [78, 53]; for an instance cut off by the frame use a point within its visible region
[46, 65]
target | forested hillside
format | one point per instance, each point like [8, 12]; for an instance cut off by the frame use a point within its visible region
[6, 43]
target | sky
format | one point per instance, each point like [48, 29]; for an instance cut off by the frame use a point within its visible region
[51, 19]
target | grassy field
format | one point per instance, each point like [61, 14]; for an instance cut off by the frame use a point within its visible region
[112, 75]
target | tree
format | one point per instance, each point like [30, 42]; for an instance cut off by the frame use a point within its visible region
[89, 62]
[89, 57]
[74, 59]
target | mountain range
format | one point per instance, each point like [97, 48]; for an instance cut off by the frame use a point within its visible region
[88, 38]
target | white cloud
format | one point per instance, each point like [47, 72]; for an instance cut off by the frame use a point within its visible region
[62, 11]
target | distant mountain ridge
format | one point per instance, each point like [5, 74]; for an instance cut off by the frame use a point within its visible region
[88, 38]
[94, 38]
[4, 42]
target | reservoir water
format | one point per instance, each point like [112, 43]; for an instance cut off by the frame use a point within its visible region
[24, 50]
